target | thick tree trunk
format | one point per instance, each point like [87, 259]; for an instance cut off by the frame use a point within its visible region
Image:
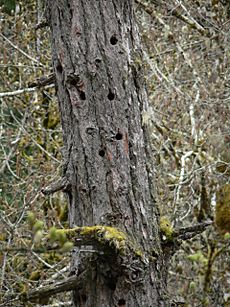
[96, 60]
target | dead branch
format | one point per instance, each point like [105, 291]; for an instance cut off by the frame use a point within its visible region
[50, 79]
[61, 184]
[191, 22]
[186, 233]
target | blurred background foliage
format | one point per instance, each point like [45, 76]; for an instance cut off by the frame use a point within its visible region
[187, 64]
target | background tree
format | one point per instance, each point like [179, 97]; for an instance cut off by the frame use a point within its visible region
[186, 66]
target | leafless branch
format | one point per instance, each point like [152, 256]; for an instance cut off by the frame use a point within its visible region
[60, 184]
[18, 92]
[21, 51]
[43, 292]
[186, 233]
[43, 81]
[188, 20]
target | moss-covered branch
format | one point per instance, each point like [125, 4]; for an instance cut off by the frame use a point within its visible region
[183, 233]
[101, 236]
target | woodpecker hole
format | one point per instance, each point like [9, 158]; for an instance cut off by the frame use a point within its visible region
[119, 136]
[111, 96]
[101, 153]
[97, 61]
[113, 40]
[121, 302]
[82, 96]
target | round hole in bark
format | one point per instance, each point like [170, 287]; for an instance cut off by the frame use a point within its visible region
[111, 96]
[82, 96]
[59, 68]
[121, 302]
[113, 40]
[101, 152]
[119, 136]
[97, 61]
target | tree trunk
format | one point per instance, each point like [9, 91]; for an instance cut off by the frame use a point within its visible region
[97, 62]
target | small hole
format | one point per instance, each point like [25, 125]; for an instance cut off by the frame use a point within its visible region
[111, 96]
[59, 68]
[113, 40]
[101, 153]
[97, 61]
[121, 302]
[119, 136]
[82, 96]
[73, 82]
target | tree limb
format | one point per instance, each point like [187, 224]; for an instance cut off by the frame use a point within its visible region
[186, 233]
[191, 22]
[44, 292]
[61, 184]
[68, 284]
[43, 81]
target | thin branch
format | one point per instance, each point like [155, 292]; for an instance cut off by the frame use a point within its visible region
[186, 233]
[190, 21]
[61, 184]
[14, 144]
[18, 92]
[43, 81]
[182, 172]
[21, 51]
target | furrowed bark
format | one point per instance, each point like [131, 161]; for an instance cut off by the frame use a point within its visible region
[97, 64]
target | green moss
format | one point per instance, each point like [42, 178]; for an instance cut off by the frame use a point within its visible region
[35, 275]
[139, 253]
[61, 236]
[107, 235]
[166, 228]
[103, 234]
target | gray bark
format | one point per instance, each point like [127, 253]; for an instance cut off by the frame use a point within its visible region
[97, 63]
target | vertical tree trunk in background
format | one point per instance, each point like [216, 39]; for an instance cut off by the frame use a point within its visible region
[96, 59]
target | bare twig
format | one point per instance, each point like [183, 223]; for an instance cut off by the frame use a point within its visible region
[21, 51]
[18, 92]
[182, 172]
[188, 20]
